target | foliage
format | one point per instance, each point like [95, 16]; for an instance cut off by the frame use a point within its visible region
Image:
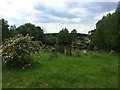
[50, 40]
[118, 7]
[27, 28]
[64, 37]
[16, 51]
[107, 32]
[73, 34]
[12, 30]
[32, 30]
[5, 30]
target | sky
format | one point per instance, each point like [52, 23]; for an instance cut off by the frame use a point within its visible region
[53, 15]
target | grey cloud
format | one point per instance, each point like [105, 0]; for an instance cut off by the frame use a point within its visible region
[60, 15]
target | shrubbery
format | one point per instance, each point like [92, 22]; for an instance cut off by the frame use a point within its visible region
[17, 50]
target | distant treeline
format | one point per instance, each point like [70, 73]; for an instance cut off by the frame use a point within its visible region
[78, 34]
[37, 33]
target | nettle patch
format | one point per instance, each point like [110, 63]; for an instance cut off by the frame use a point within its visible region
[17, 51]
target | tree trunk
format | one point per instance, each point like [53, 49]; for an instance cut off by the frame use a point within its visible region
[68, 50]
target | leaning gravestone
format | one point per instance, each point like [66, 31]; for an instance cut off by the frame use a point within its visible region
[53, 52]
[95, 50]
[78, 52]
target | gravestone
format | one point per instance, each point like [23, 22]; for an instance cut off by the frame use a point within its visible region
[53, 52]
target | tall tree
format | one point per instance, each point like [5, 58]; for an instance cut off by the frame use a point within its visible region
[118, 6]
[12, 30]
[107, 32]
[32, 30]
[5, 29]
[73, 34]
[65, 40]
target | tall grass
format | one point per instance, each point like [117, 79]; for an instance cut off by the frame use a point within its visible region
[91, 71]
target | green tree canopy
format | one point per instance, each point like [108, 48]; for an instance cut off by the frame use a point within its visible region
[64, 37]
[50, 40]
[32, 30]
[5, 29]
[73, 34]
[107, 32]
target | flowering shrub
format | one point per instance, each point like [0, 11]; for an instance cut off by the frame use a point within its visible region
[17, 50]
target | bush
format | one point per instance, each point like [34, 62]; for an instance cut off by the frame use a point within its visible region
[17, 50]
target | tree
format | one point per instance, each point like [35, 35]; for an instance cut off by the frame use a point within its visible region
[5, 29]
[73, 34]
[107, 32]
[92, 38]
[118, 6]
[74, 37]
[32, 30]
[50, 40]
[12, 30]
[65, 39]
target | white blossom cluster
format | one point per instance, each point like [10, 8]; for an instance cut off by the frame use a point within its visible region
[16, 50]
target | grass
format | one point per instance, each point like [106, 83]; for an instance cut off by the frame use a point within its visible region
[91, 71]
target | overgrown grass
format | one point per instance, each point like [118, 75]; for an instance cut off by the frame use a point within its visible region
[91, 71]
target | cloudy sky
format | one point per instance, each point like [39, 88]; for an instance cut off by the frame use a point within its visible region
[53, 15]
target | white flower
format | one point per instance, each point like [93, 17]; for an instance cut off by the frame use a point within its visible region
[11, 57]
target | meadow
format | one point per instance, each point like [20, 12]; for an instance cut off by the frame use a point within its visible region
[98, 70]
